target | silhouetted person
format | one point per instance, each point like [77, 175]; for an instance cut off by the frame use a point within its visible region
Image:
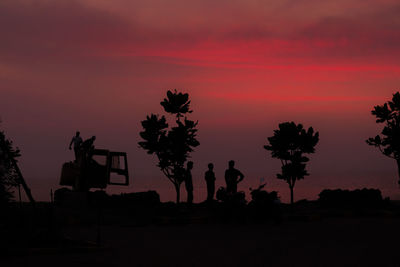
[210, 180]
[88, 147]
[77, 141]
[189, 182]
[232, 178]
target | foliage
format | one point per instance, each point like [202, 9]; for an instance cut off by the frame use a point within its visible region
[289, 144]
[171, 145]
[8, 178]
[389, 140]
[176, 103]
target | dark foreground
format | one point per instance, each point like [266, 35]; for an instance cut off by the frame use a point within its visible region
[344, 240]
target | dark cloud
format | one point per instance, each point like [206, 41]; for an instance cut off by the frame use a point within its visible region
[68, 30]
[54, 30]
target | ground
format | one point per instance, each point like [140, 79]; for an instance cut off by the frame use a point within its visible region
[341, 241]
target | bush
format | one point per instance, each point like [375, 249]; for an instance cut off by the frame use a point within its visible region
[355, 198]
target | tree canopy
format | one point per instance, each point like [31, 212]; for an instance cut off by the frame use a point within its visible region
[289, 144]
[171, 145]
[388, 142]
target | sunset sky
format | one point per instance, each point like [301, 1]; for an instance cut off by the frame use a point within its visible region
[101, 66]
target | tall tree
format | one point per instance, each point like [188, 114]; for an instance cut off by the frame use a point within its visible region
[388, 142]
[8, 177]
[289, 144]
[171, 145]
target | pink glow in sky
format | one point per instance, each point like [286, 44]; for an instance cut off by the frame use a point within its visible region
[100, 66]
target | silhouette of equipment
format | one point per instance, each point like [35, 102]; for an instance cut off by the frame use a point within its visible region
[96, 171]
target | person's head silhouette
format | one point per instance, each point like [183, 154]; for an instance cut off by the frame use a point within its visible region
[190, 165]
[210, 166]
[77, 133]
[93, 138]
[231, 164]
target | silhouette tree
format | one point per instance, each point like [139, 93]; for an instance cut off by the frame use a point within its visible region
[389, 140]
[171, 145]
[8, 177]
[289, 144]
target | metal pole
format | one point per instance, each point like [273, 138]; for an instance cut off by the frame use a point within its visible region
[19, 195]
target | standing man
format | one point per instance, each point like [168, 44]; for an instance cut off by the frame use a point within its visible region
[189, 182]
[210, 180]
[232, 177]
[77, 141]
[88, 147]
[89, 143]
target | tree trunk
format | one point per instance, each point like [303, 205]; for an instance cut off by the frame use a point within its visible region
[291, 195]
[178, 193]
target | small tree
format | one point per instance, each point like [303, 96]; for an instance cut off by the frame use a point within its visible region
[8, 177]
[389, 140]
[289, 144]
[171, 145]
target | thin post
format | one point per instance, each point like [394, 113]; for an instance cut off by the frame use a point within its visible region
[19, 196]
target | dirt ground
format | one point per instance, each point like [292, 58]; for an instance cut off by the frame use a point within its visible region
[323, 242]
